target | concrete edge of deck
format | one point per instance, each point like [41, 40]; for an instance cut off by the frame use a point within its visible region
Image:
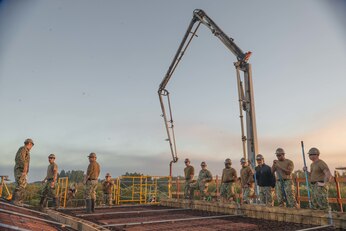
[302, 216]
[75, 222]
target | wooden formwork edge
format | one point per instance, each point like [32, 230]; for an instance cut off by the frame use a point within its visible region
[76, 223]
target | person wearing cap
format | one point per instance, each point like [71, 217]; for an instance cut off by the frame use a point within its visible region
[90, 181]
[107, 187]
[246, 181]
[204, 177]
[48, 190]
[189, 173]
[229, 176]
[21, 170]
[319, 175]
[283, 168]
[265, 180]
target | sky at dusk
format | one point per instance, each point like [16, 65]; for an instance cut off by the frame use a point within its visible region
[82, 76]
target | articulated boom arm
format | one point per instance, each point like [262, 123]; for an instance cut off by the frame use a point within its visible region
[245, 91]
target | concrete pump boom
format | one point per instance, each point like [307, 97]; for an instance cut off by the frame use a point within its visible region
[245, 91]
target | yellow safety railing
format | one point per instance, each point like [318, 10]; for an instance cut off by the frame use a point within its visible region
[141, 189]
[62, 190]
[4, 186]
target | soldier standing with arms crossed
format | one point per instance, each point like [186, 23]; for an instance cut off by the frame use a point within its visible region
[189, 173]
[320, 175]
[90, 181]
[284, 183]
[247, 181]
[204, 177]
[229, 176]
[265, 180]
[107, 187]
[49, 187]
[21, 170]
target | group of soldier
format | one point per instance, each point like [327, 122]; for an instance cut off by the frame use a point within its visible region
[278, 178]
[21, 169]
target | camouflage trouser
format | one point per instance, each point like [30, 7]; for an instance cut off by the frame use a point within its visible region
[90, 189]
[107, 198]
[48, 191]
[201, 186]
[319, 197]
[287, 187]
[187, 190]
[266, 195]
[20, 185]
[247, 194]
[227, 191]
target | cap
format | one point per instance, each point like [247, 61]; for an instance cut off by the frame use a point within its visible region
[279, 151]
[187, 160]
[259, 157]
[314, 151]
[108, 174]
[242, 160]
[93, 154]
[203, 164]
[27, 141]
[51, 156]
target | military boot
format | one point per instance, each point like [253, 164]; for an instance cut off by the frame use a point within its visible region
[55, 203]
[88, 205]
[92, 205]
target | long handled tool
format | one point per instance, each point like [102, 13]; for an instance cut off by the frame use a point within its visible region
[306, 175]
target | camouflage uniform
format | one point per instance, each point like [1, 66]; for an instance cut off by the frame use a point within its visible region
[188, 171]
[22, 159]
[247, 183]
[48, 191]
[227, 190]
[204, 178]
[285, 185]
[93, 173]
[319, 194]
[107, 187]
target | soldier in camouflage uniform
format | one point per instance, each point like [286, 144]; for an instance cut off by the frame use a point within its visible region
[247, 181]
[320, 175]
[265, 180]
[90, 181]
[229, 176]
[21, 170]
[107, 187]
[204, 177]
[48, 190]
[283, 168]
[189, 173]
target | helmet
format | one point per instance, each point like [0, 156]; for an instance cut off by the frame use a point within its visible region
[51, 156]
[108, 174]
[28, 141]
[314, 151]
[203, 164]
[93, 154]
[259, 157]
[279, 151]
[228, 161]
[243, 160]
[187, 160]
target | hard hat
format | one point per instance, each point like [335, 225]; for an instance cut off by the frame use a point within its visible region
[203, 164]
[108, 174]
[51, 156]
[187, 160]
[28, 141]
[93, 154]
[228, 161]
[279, 151]
[314, 151]
[242, 160]
[259, 157]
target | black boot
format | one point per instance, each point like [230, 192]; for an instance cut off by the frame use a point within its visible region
[55, 203]
[92, 205]
[88, 205]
